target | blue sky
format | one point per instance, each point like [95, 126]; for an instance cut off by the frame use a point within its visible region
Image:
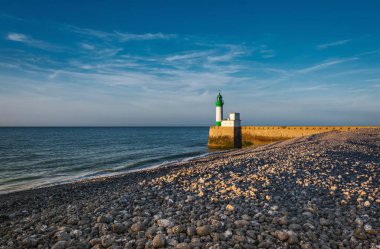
[128, 63]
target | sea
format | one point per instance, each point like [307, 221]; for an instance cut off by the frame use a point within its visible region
[37, 157]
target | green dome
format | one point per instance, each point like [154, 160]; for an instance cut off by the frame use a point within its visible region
[219, 100]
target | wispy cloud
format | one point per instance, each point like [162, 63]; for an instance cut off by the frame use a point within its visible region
[120, 36]
[227, 56]
[193, 71]
[208, 58]
[332, 44]
[87, 46]
[373, 80]
[309, 88]
[11, 17]
[188, 55]
[324, 65]
[374, 52]
[146, 36]
[9, 65]
[265, 52]
[28, 40]
[18, 37]
[272, 77]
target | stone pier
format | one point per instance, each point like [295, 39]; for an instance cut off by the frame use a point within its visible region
[221, 137]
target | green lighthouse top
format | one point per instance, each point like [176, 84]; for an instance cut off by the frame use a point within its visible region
[219, 100]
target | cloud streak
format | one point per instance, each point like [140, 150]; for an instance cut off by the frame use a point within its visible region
[324, 65]
[188, 56]
[11, 17]
[333, 44]
[143, 37]
[119, 36]
[28, 40]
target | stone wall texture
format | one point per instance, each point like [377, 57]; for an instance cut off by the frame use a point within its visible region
[221, 137]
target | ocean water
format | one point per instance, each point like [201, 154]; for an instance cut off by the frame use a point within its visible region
[35, 157]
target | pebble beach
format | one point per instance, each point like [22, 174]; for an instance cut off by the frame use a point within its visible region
[318, 191]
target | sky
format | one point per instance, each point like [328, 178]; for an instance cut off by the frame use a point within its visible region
[149, 63]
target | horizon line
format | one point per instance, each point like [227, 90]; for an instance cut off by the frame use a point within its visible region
[182, 126]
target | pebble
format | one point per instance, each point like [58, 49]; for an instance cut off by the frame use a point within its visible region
[164, 223]
[306, 246]
[360, 233]
[367, 204]
[293, 239]
[63, 236]
[324, 222]
[282, 235]
[183, 245]
[159, 241]
[137, 227]
[295, 227]
[118, 228]
[283, 220]
[203, 230]
[107, 240]
[59, 245]
[105, 219]
[230, 208]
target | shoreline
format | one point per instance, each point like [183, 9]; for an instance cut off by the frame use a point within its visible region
[95, 181]
[318, 191]
[78, 179]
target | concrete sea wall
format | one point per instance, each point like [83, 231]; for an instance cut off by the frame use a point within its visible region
[236, 137]
[224, 137]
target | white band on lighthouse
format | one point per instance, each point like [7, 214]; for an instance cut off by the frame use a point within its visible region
[219, 114]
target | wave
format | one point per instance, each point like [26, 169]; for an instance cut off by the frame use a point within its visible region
[20, 179]
[11, 184]
[197, 145]
[151, 161]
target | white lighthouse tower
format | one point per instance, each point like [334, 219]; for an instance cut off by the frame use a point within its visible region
[219, 110]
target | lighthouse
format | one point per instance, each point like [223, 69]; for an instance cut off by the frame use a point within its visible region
[219, 110]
